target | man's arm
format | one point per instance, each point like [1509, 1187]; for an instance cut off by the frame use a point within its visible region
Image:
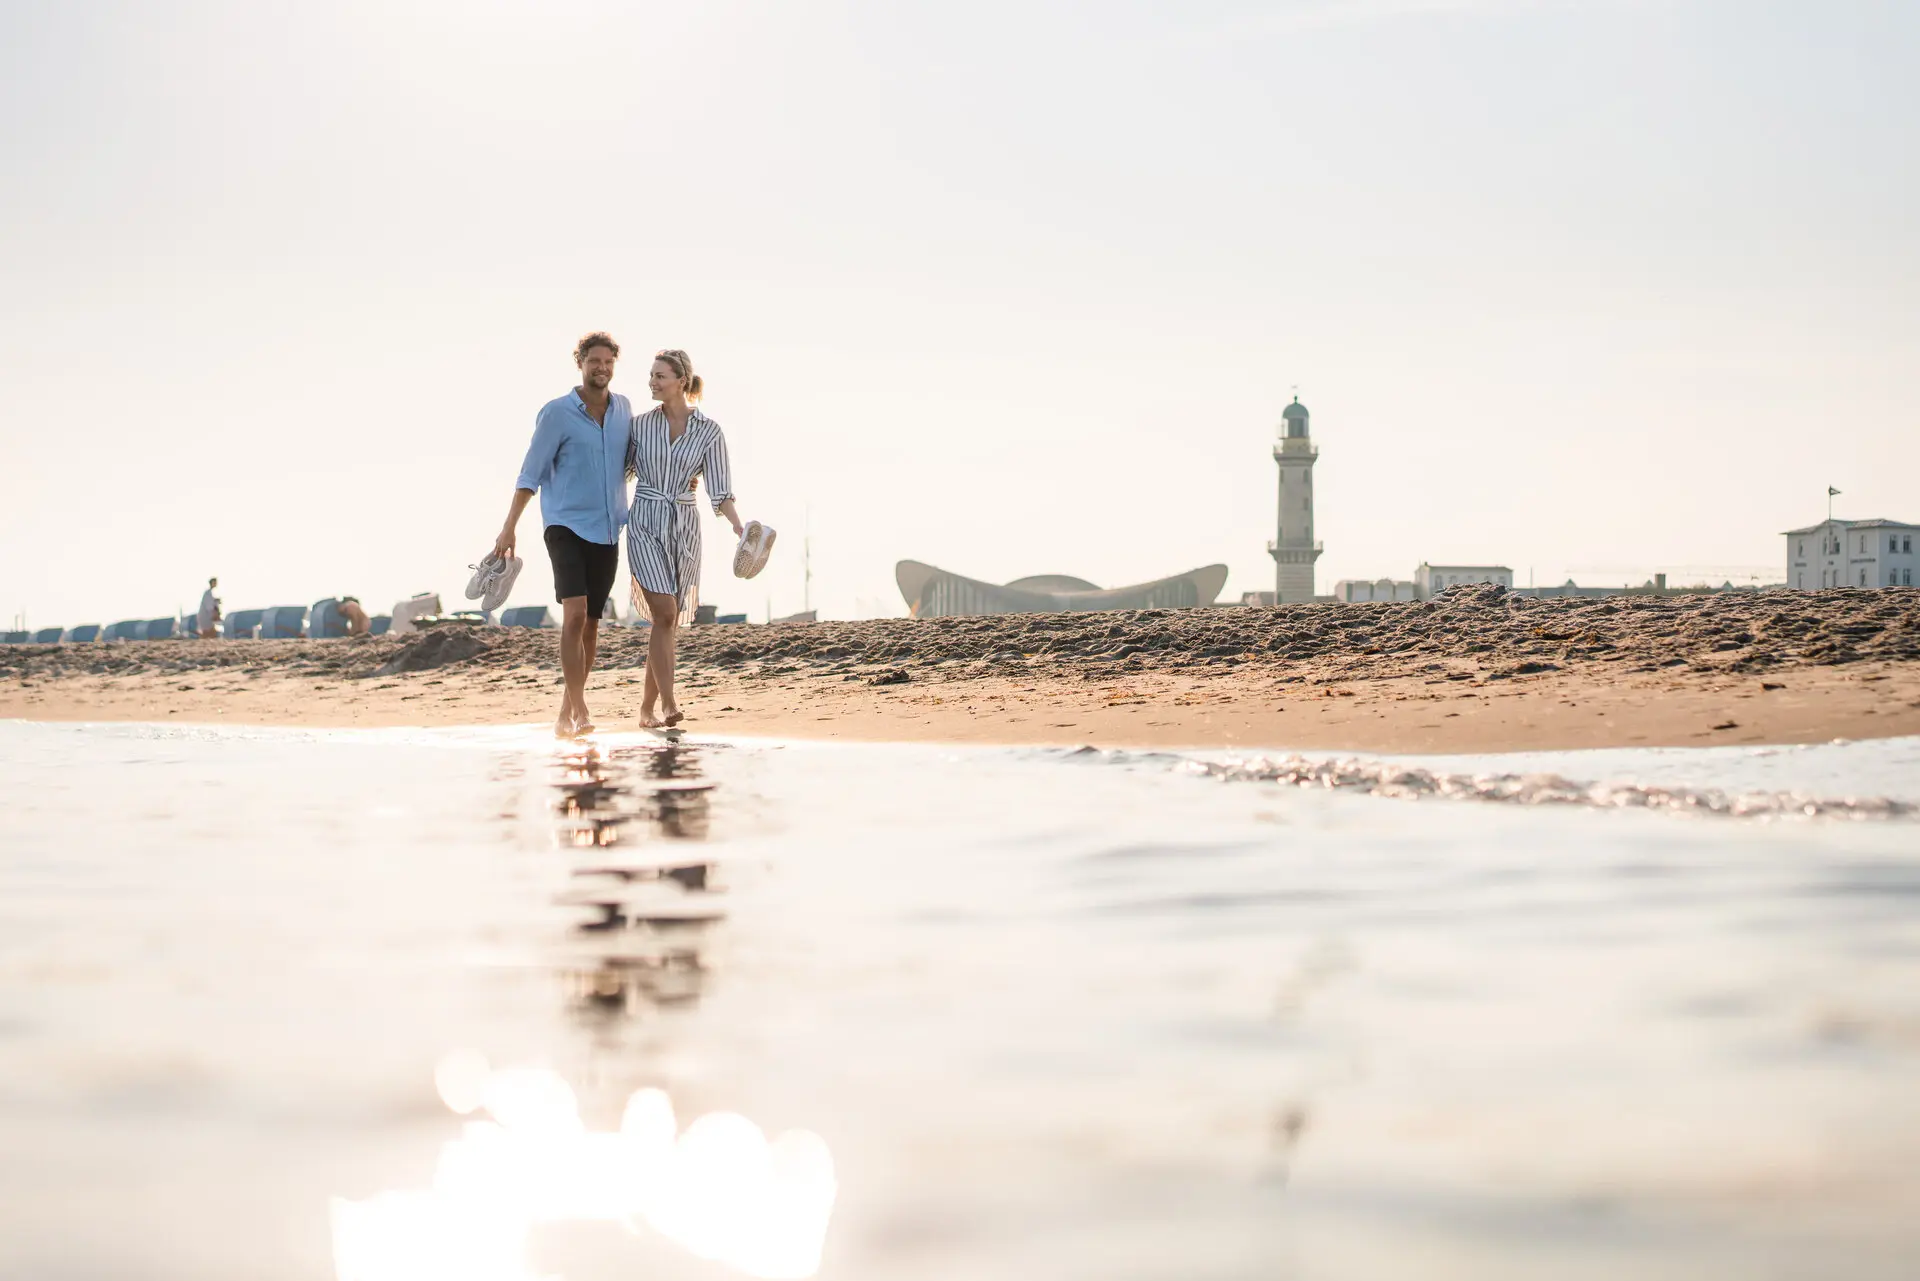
[540, 455]
[503, 545]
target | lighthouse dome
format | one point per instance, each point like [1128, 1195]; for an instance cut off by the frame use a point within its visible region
[1295, 416]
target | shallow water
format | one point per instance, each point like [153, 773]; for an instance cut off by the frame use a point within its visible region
[1052, 1014]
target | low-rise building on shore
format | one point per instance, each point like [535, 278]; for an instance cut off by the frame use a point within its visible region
[1852, 553]
[1360, 591]
[1431, 580]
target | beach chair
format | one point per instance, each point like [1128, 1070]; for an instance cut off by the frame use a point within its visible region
[426, 603]
[128, 629]
[84, 632]
[325, 619]
[284, 622]
[158, 629]
[526, 616]
[244, 624]
[729, 618]
[15, 638]
[378, 624]
[47, 636]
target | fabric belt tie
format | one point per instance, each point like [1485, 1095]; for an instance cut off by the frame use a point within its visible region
[653, 495]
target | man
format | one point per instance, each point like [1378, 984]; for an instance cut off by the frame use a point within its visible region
[206, 622]
[578, 464]
[358, 624]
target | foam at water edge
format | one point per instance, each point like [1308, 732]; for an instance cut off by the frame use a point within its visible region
[1409, 782]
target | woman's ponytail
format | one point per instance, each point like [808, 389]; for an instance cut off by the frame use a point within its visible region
[682, 366]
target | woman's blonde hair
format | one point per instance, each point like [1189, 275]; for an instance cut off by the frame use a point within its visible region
[682, 366]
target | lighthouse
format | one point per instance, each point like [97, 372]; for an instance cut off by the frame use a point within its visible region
[1293, 549]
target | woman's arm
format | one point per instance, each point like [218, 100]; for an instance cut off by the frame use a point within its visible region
[719, 472]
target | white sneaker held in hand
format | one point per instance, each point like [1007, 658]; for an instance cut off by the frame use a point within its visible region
[492, 581]
[756, 545]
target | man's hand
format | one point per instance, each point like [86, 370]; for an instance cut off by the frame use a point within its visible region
[503, 545]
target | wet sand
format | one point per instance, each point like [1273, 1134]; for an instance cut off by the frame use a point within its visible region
[1475, 670]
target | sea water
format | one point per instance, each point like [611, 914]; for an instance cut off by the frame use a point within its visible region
[421, 1004]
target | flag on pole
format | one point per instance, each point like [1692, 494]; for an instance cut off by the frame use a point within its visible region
[1831, 491]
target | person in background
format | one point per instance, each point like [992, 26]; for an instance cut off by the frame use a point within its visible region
[577, 464]
[357, 621]
[207, 620]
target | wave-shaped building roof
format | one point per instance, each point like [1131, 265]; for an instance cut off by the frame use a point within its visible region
[932, 592]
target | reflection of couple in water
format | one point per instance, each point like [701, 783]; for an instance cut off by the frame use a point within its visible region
[586, 445]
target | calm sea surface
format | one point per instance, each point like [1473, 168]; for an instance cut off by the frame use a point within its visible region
[420, 1004]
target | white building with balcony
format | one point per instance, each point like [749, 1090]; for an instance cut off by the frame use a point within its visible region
[1852, 553]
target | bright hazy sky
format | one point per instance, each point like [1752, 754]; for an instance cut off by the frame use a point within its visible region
[1598, 287]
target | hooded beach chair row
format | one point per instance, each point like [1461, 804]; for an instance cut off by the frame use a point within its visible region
[526, 616]
[283, 622]
[323, 618]
[243, 624]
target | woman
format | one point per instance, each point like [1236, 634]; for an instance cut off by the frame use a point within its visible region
[672, 446]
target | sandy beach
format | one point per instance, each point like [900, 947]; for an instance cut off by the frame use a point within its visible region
[1475, 670]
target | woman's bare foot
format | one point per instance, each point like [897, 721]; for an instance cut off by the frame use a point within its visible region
[650, 721]
[674, 715]
[565, 727]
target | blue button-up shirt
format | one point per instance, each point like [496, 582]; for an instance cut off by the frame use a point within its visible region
[580, 467]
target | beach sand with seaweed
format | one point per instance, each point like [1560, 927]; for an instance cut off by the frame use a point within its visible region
[1477, 669]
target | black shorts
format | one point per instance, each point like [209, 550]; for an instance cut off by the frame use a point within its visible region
[581, 568]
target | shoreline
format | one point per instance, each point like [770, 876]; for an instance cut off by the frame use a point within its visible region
[1473, 671]
[1389, 717]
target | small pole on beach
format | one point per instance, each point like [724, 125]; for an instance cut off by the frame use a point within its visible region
[806, 563]
[1831, 491]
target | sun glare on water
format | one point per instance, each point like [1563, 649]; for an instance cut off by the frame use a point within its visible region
[719, 1189]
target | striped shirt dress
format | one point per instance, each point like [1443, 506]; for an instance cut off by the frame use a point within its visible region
[663, 526]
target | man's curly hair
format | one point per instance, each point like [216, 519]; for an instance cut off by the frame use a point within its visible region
[598, 338]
